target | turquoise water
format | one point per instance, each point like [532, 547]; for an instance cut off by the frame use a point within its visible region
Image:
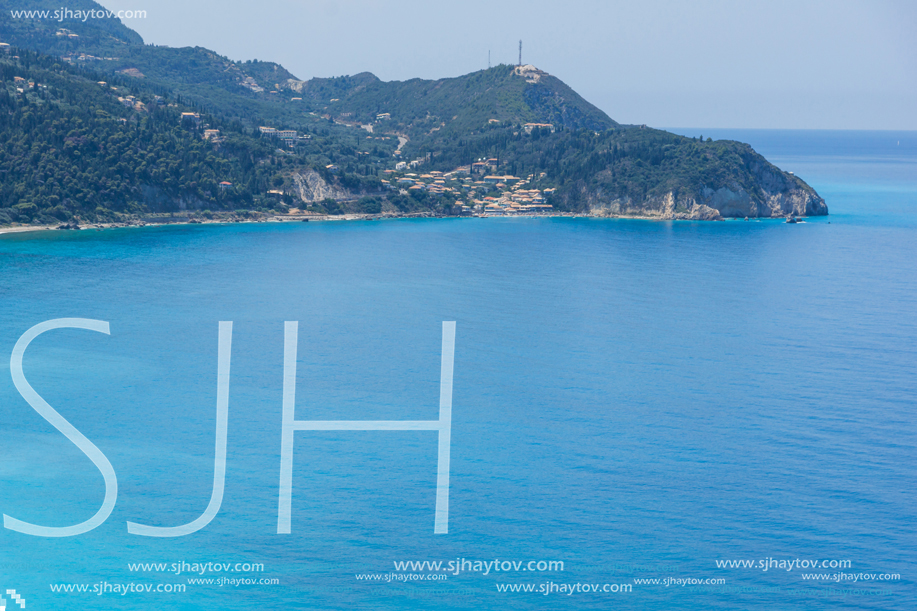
[635, 399]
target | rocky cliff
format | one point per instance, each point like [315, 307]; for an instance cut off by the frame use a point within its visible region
[311, 188]
[650, 173]
[514, 122]
[724, 202]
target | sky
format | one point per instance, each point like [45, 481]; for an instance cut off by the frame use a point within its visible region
[802, 64]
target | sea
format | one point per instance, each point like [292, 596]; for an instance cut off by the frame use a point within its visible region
[645, 415]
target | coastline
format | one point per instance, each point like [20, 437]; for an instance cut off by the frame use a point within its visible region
[171, 220]
[269, 219]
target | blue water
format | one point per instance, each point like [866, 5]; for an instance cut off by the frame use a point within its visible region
[635, 399]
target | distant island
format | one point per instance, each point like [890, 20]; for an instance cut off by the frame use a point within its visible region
[98, 127]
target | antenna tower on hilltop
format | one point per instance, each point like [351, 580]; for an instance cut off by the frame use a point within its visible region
[520, 52]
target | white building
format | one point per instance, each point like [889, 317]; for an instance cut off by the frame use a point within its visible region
[528, 127]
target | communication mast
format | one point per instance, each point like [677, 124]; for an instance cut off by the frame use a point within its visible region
[520, 52]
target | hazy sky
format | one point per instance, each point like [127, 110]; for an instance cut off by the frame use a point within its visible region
[835, 64]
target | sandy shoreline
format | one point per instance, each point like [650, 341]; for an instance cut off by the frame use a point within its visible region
[315, 218]
[164, 222]
[235, 221]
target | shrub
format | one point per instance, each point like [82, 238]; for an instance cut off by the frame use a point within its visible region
[371, 205]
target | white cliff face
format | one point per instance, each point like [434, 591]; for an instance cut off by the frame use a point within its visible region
[784, 194]
[662, 208]
[313, 188]
[714, 204]
[774, 194]
[728, 202]
[791, 199]
[530, 73]
[294, 85]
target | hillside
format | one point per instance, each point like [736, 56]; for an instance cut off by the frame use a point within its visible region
[73, 146]
[196, 75]
[55, 35]
[76, 147]
[504, 94]
[359, 144]
[259, 91]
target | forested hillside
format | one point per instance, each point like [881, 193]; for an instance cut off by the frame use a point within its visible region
[74, 147]
[69, 146]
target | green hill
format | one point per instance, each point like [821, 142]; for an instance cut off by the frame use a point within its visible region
[504, 94]
[75, 147]
[196, 75]
[77, 144]
[353, 131]
[54, 31]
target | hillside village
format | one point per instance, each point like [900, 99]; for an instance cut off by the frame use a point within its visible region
[488, 143]
[487, 195]
[478, 191]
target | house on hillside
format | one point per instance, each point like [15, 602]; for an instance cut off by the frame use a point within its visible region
[493, 180]
[528, 127]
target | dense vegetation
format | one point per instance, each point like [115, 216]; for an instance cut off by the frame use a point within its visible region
[100, 37]
[458, 105]
[70, 148]
[631, 162]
